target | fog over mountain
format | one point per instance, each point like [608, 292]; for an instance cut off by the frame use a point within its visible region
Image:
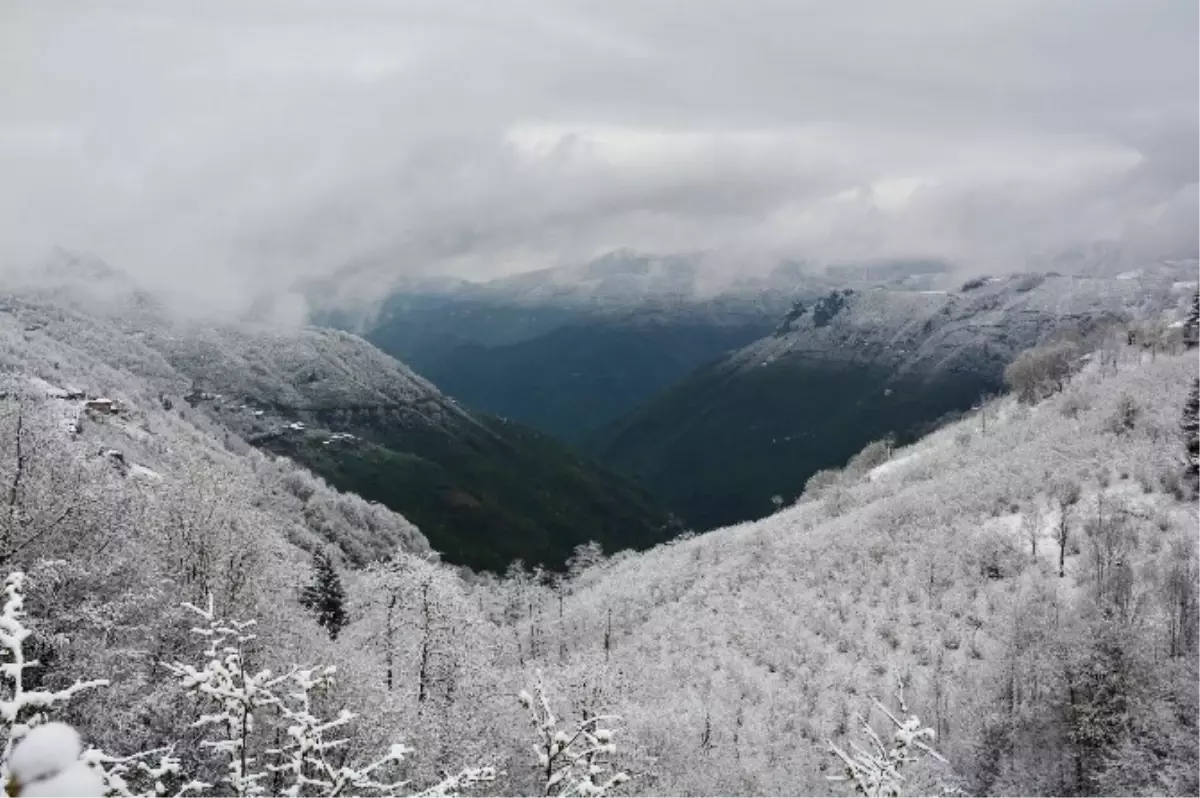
[230, 151]
[420, 398]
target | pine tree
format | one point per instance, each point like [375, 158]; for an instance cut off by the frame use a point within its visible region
[1191, 327]
[325, 596]
[1191, 435]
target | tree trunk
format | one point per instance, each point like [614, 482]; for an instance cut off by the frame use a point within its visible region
[423, 673]
[389, 653]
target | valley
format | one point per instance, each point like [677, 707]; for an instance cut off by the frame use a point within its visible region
[468, 399]
[257, 466]
[722, 407]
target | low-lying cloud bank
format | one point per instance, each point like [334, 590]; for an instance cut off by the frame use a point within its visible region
[220, 151]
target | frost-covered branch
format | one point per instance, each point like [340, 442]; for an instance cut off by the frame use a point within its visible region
[47, 758]
[236, 693]
[304, 759]
[152, 766]
[22, 709]
[571, 762]
[876, 772]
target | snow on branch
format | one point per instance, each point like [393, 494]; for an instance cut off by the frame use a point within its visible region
[235, 693]
[875, 769]
[572, 761]
[304, 761]
[152, 766]
[22, 709]
[47, 758]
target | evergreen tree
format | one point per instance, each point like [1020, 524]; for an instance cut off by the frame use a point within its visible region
[325, 596]
[1191, 439]
[1191, 327]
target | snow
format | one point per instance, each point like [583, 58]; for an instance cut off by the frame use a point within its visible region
[141, 472]
[77, 780]
[45, 751]
[895, 464]
[47, 389]
[133, 431]
[1131, 275]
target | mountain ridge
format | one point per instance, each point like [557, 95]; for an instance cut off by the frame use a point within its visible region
[486, 492]
[857, 365]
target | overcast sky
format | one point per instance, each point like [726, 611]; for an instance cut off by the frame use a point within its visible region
[222, 147]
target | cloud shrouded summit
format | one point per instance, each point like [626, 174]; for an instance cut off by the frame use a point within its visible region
[224, 148]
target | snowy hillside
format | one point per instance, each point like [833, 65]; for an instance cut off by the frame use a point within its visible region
[733, 659]
[117, 414]
[484, 491]
[854, 366]
[737, 654]
[983, 326]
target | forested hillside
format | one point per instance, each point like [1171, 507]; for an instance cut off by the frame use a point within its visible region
[855, 366]
[574, 379]
[1026, 577]
[485, 491]
[599, 399]
[738, 653]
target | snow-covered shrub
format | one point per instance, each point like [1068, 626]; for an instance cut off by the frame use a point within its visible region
[1124, 417]
[240, 696]
[1041, 371]
[571, 760]
[47, 758]
[48, 761]
[1074, 403]
[821, 481]
[998, 556]
[875, 453]
[874, 770]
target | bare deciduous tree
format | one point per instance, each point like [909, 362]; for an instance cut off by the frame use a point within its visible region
[1041, 371]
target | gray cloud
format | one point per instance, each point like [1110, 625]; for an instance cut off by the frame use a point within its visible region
[221, 149]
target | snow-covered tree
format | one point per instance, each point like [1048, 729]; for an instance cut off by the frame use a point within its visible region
[22, 709]
[1065, 493]
[43, 486]
[572, 759]
[325, 596]
[586, 555]
[44, 757]
[1042, 371]
[306, 761]
[240, 696]
[1190, 425]
[235, 694]
[875, 768]
[1191, 326]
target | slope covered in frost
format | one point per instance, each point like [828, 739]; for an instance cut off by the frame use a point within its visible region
[738, 653]
[852, 367]
[484, 491]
